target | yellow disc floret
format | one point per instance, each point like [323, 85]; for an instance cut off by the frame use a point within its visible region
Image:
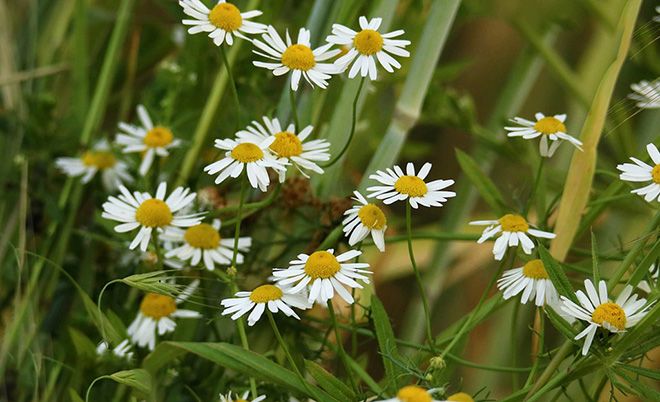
[513, 223]
[286, 144]
[413, 393]
[321, 264]
[368, 42]
[153, 213]
[655, 174]
[157, 306]
[411, 185]
[226, 16]
[460, 397]
[549, 125]
[610, 313]
[247, 152]
[99, 159]
[266, 293]
[535, 269]
[372, 217]
[298, 57]
[202, 236]
[158, 136]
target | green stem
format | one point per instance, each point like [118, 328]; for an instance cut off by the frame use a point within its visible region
[240, 325]
[340, 347]
[239, 217]
[294, 109]
[514, 344]
[232, 86]
[535, 188]
[353, 123]
[538, 334]
[418, 278]
[549, 371]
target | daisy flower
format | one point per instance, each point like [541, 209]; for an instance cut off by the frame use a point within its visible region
[254, 157]
[275, 297]
[532, 280]
[299, 58]
[367, 46]
[122, 350]
[324, 273]
[98, 159]
[203, 242]
[646, 94]
[459, 397]
[149, 213]
[598, 311]
[411, 393]
[147, 139]
[642, 172]
[549, 128]
[222, 22]
[156, 313]
[363, 219]
[515, 230]
[289, 146]
[242, 398]
[398, 186]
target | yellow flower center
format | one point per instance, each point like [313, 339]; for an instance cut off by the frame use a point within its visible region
[157, 306]
[549, 125]
[247, 152]
[266, 293]
[99, 159]
[298, 57]
[158, 137]
[513, 223]
[286, 144]
[321, 264]
[655, 173]
[460, 397]
[413, 393]
[411, 185]
[226, 16]
[610, 313]
[368, 42]
[202, 236]
[372, 217]
[153, 213]
[535, 269]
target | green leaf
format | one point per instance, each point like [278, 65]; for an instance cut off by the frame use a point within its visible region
[330, 383]
[139, 379]
[641, 389]
[642, 268]
[560, 323]
[386, 344]
[74, 397]
[556, 274]
[484, 185]
[235, 358]
[100, 320]
[84, 347]
[653, 374]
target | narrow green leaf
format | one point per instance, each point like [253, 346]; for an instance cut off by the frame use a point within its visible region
[386, 343]
[330, 383]
[73, 395]
[483, 183]
[560, 323]
[642, 268]
[139, 379]
[653, 374]
[100, 320]
[556, 274]
[641, 389]
[84, 347]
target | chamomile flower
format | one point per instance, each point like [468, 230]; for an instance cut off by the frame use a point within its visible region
[222, 22]
[514, 230]
[399, 186]
[141, 210]
[411, 393]
[367, 46]
[148, 139]
[98, 159]
[157, 313]
[363, 219]
[646, 94]
[255, 158]
[599, 311]
[549, 128]
[532, 280]
[288, 145]
[324, 273]
[242, 398]
[203, 242]
[459, 397]
[299, 58]
[275, 297]
[122, 350]
[643, 172]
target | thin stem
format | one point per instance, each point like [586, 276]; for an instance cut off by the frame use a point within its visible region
[354, 344]
[294, 109]
[239, 217]
[340, 347]
[535, 188]
[549, 371]
[232, 86]
[418, 278]
[537, 344]
[240, 325]
[353, 123]
[514, 344]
